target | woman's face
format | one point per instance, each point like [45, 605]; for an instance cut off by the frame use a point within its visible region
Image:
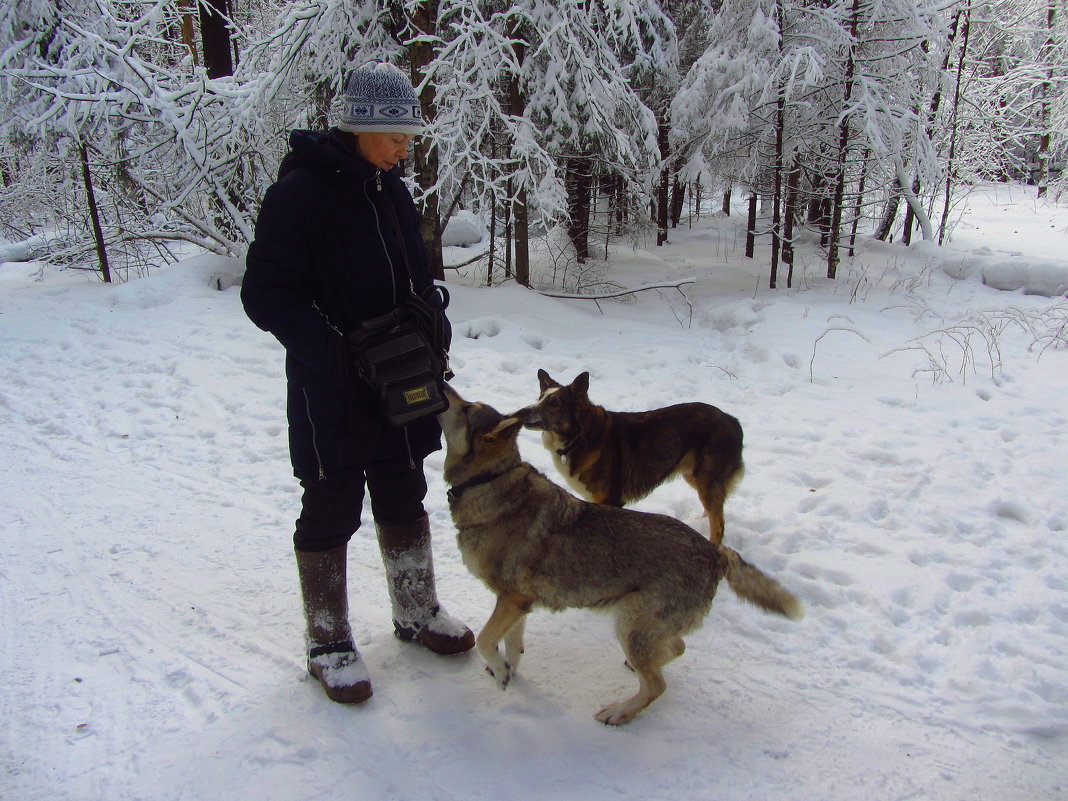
[383, 150]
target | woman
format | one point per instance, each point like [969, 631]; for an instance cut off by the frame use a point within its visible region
[338, 242]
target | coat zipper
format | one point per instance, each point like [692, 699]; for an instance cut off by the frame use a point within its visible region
[392, 275]
[382, 239]
[315, 435]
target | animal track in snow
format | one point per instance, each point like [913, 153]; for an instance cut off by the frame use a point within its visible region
[1010, 510]
[476, 329]
[961, 582]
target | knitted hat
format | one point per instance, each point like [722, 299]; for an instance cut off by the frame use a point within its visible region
[379, 97]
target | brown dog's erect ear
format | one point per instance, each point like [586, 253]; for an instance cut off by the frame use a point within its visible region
[582, 383]
[546, 380]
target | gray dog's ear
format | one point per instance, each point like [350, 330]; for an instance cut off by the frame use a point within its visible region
[523, 415]
[508, 428]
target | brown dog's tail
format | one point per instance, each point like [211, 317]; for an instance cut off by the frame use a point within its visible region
[751, 585]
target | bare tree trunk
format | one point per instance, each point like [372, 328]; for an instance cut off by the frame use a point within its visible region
[818, 212]
[493, 242]
[793, 180]
[619, 201]
[844, 135]
[750, 228]
[522, 239]
[1047, 94]
[910, 219]
[662, 131]
[186, 9]
[578, 179]
[678, 200]
[725, 206]
[508, 239]
[919, 214]
[953, 128]
[858, 205]
[780, 131]
[422, 51]
[322, 99]
[517, 108]
[215, 34]
[776, 212]
[94, 215]
[886, 225]
[492, 144]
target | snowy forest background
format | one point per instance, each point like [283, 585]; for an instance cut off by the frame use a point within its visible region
[130, 128]
[905, 422]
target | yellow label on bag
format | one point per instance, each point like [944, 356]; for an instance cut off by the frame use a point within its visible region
[414, 396]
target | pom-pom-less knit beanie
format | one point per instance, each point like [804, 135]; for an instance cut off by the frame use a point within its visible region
[379, 97]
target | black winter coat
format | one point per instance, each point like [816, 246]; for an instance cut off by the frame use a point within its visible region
[333, 239]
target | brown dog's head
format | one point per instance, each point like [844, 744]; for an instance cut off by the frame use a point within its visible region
[478, 438]
[559, 407]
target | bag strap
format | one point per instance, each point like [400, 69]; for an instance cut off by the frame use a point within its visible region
[427, 309]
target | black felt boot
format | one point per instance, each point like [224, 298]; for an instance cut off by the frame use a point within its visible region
[332, 656]
[417, 614]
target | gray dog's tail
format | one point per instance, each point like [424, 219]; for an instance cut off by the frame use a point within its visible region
[753, 586]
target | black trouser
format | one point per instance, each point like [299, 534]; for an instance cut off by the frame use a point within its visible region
[330, 511]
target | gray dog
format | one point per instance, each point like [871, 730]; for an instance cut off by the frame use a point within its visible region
[534, 543]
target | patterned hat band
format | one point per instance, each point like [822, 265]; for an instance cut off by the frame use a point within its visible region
[379, 97]
[381, 117]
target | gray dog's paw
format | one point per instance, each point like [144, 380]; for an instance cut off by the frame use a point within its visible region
[502, 675]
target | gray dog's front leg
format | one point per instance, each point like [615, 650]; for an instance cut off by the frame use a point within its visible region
[506, 623]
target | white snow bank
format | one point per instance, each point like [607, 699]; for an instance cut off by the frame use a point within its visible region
[1034, 277]
[20, 251]
[463, 230]
[1005, 271]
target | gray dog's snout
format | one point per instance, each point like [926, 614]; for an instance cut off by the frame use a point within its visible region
[530, 417]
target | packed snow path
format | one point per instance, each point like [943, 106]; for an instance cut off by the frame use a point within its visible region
[150, 631]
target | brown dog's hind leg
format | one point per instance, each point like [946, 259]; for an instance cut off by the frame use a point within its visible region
[712, 498]
[716, 525]
[507, 614]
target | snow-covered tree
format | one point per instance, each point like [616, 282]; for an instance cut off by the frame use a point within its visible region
[582, 103]
[121, 135]
[1017, 85]
[828, 90]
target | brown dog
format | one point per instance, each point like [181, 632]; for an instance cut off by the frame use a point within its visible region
[535, 544]
[620, 457]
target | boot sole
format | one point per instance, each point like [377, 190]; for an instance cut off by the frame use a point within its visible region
[353, 694]
[405, 634]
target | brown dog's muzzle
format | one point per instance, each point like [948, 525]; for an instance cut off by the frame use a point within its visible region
[531, 418]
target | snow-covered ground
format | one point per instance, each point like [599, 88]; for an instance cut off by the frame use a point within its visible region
[906, 476]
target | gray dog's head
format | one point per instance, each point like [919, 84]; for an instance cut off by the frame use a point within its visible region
[478, 438]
